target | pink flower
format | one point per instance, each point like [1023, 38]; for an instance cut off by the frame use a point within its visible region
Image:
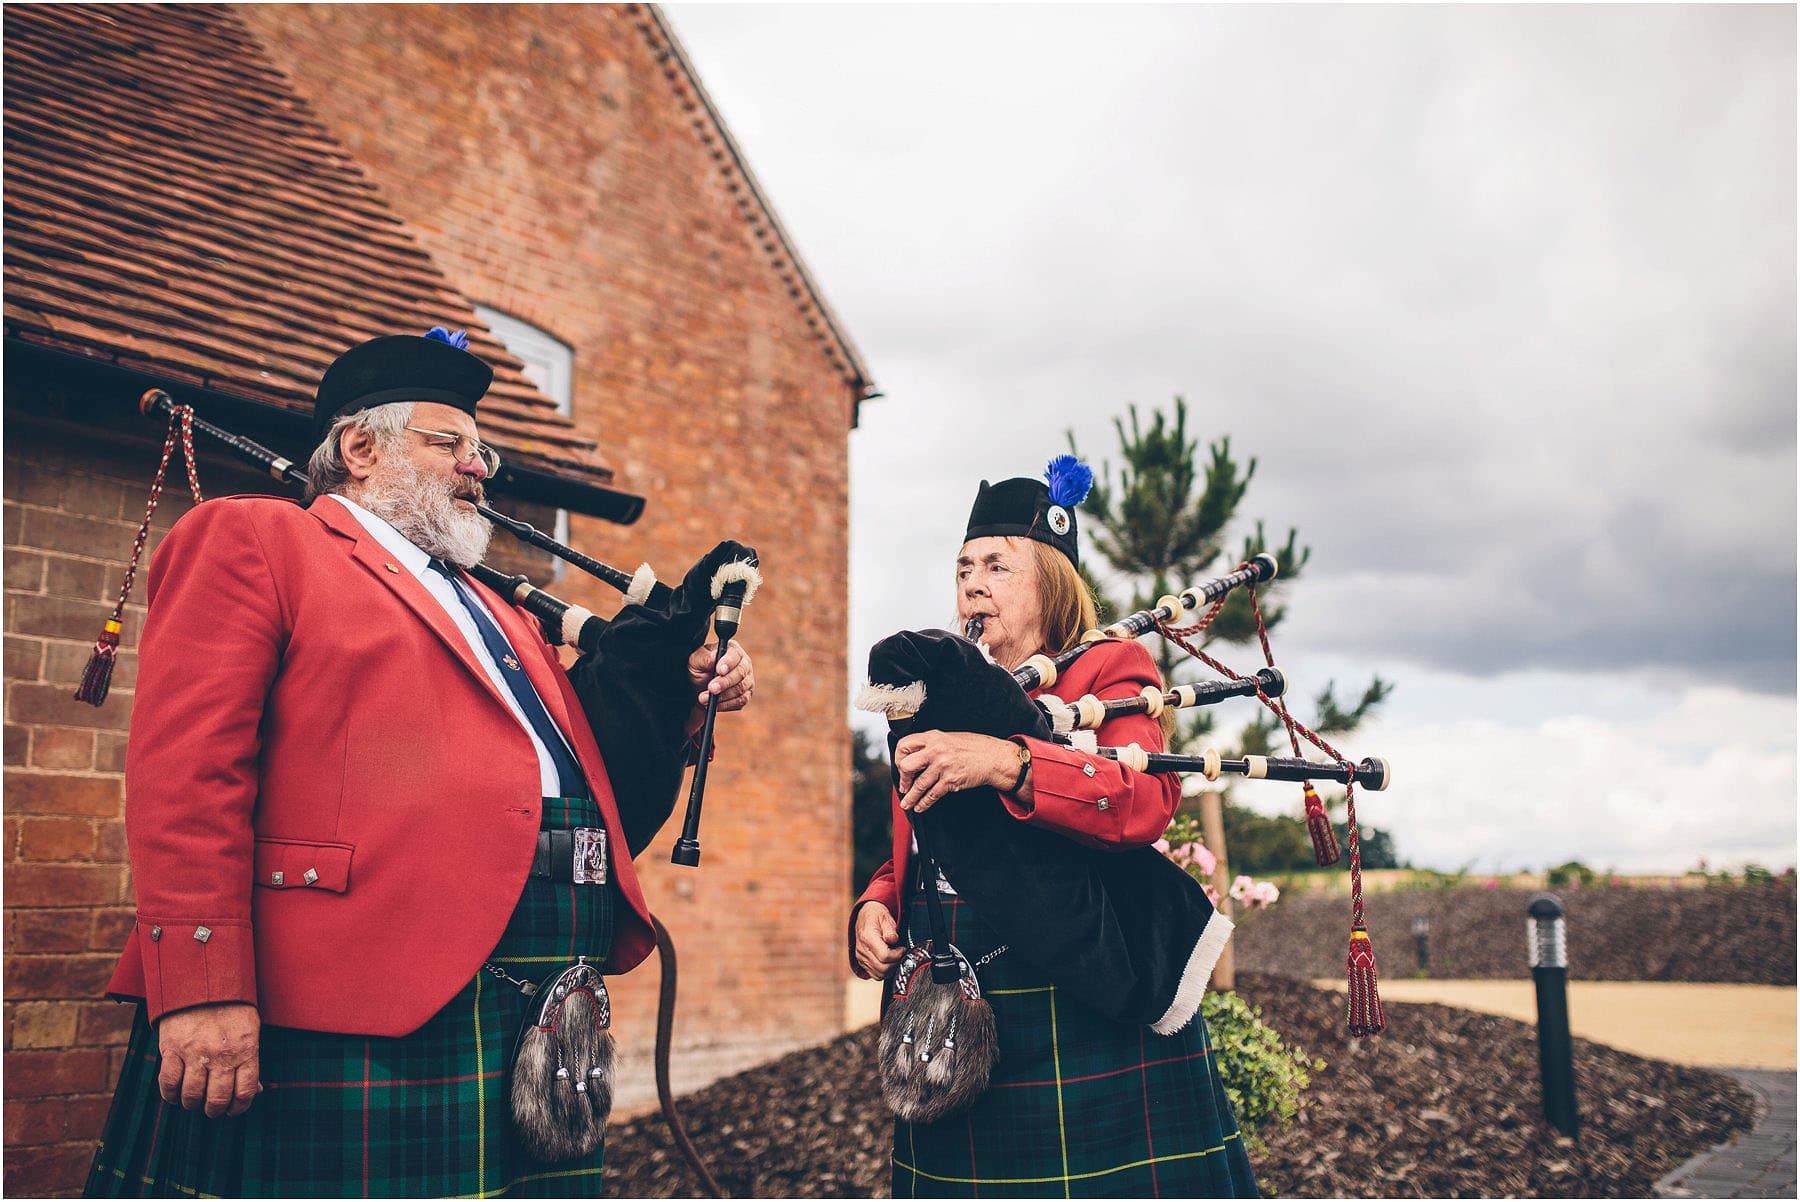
[1211, 894]
[1490, 883]
[1207, 862]
[1240, 888]
[1264, 894]
[1162, 845]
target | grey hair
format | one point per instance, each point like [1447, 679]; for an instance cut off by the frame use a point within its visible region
[326, 471]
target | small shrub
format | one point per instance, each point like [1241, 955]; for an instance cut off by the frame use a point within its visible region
[1573, 875]
[1420, 879]
[1263, 1076]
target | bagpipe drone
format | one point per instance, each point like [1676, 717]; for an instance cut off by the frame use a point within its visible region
[1141, 937]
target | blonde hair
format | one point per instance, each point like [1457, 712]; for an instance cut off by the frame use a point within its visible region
[1068, 610]
[1065, 603]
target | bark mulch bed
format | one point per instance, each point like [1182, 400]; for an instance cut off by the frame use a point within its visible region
[1729, 933]
[1444, 1104]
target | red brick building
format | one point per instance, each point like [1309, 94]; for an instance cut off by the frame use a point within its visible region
[216, 201]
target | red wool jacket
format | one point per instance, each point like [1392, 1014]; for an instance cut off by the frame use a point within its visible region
[304, 705]
[1109, 807]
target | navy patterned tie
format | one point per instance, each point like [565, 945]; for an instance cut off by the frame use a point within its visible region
[574, 784]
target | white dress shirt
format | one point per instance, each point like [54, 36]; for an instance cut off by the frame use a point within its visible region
[418, 563]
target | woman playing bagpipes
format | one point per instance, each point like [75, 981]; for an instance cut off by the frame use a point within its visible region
[1085, 1098]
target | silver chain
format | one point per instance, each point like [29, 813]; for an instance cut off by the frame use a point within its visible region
[525, 987]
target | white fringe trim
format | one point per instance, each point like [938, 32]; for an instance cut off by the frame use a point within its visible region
[1085, 740]
[1062, 719]
[574, 618]
[1195, 976]
[642, 581]
[737, 569]
[891, 699]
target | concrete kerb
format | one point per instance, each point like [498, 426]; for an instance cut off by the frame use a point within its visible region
[1757, 1164]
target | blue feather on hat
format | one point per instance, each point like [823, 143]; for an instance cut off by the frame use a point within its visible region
[1069, 479]
[459, 340]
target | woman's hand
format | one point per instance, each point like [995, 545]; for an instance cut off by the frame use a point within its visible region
[877, 940]
[935, 763]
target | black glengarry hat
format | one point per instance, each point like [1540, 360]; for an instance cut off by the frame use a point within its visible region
[1040, 509]
[435, 366]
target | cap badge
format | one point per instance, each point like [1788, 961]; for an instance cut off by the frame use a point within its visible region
[1058, 518]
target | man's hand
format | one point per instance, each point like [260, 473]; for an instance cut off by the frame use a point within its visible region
[735, 682]
[209, 1058]
[877, 940]
[936, 763]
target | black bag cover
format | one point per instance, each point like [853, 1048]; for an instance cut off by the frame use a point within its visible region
[635, 691]
[1120, 930]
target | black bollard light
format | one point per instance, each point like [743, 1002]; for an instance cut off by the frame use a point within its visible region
[1422, 937]
[1547, 938]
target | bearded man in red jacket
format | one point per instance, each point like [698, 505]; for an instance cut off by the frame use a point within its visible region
[366, 816]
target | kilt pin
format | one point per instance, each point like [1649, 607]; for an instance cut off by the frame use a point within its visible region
[1079, 1105]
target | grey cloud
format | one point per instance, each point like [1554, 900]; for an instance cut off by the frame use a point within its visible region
[1502, 298]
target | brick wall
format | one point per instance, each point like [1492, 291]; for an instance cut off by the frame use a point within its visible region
[72, 509]
[556, 172]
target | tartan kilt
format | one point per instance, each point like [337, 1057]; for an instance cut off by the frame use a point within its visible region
[1078, 1105]
[425, 1114]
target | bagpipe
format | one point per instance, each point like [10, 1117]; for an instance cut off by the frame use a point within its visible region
[1136, 938]
[631, 677]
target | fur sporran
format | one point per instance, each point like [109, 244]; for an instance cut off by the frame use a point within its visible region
[562, 1072]
[938, 1044]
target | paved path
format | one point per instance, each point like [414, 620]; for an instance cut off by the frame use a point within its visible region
[1708, 1026]
[1758, 1164]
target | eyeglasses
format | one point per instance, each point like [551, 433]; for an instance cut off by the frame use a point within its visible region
[463, 448]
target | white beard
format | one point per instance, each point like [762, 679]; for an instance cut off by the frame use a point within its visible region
[425, 512]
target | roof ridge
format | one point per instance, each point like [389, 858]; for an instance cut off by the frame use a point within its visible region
[752, 202]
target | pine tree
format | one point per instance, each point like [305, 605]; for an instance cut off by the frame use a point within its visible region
[871, 817]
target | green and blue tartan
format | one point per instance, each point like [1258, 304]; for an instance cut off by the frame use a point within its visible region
[1078, 1105]
[426, 1114]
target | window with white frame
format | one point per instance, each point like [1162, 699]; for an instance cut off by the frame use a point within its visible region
[549, 363]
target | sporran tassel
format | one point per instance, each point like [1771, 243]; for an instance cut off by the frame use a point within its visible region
[1366, 1017]
[1318, 826]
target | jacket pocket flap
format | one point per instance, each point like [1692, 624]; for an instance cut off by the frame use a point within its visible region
[298, 864]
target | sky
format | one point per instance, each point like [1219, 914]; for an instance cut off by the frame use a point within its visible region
[1501, 300]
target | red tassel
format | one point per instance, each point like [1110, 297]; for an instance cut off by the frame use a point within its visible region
[96, 678]
[1366, 1017]
[1318, 825]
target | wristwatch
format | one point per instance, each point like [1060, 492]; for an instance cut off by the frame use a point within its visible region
[1024, 769]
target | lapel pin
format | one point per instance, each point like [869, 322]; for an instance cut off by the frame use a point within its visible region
[390, 567]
